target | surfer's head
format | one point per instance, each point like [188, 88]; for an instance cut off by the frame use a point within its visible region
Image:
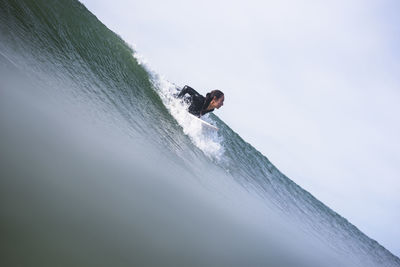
[216, 99]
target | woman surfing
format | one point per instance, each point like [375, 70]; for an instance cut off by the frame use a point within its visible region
[200, 105]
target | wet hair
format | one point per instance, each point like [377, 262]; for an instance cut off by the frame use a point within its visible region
[209, 97]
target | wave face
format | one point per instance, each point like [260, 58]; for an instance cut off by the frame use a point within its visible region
[101, 166]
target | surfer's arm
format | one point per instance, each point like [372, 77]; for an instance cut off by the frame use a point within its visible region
[188, 90]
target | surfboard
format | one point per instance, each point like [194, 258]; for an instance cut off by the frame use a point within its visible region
[204, 123]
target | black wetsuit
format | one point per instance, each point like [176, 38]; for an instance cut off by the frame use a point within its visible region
[196, 101]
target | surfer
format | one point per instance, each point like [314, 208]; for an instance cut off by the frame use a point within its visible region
[200, 105]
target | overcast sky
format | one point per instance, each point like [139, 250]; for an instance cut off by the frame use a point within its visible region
[314, 85]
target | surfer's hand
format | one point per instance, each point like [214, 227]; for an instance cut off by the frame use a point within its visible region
[177, 92]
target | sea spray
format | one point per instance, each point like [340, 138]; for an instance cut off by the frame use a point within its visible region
[208, 141]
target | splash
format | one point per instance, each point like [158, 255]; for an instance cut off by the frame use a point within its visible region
[206, 140]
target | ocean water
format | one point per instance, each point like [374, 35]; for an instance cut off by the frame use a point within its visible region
[102, 166]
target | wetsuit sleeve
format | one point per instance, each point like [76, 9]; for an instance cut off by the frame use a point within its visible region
[188, 90]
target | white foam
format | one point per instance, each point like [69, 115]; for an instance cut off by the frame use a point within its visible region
[208, 141]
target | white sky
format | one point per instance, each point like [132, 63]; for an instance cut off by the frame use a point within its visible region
[314, 85]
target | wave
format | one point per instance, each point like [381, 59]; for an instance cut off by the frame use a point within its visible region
[103, 166]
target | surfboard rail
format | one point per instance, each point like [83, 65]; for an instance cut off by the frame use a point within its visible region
[204, 123]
